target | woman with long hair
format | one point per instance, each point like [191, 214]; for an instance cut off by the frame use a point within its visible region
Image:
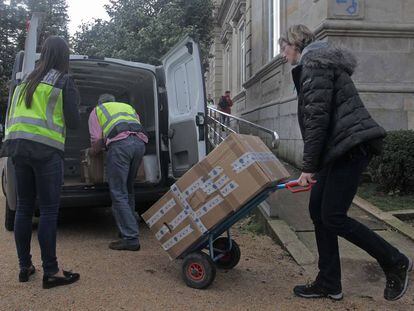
[42, 106]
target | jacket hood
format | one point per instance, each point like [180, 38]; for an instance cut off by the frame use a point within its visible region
[323, 55]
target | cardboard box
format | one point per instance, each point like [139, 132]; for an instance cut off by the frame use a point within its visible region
[172, 228]
[141, 173]
[232, 174]
[92, 167]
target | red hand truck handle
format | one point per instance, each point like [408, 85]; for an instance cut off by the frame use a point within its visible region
[292, 184]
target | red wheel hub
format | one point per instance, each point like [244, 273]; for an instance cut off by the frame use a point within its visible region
[196, 271]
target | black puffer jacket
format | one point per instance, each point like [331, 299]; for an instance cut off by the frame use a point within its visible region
[331, 115]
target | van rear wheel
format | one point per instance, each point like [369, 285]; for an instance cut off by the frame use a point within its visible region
[9, 218]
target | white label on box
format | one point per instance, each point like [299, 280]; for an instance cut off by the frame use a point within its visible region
[177, 238]
[163, 231]
[229, 188]
[209, 206]
[193, 187]
[215, 172]
[161, 212]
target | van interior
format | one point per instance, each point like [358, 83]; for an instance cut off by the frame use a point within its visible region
[128, 84]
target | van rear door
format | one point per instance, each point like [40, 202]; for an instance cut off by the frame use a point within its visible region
[186, 105]
[23, 65]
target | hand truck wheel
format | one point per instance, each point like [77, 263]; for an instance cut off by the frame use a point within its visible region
[231, 257]
[198, 270]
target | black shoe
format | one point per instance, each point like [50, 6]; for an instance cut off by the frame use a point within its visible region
[315, 290]
[53, 281]
[120, 245]
[397, 279]
[25, 273]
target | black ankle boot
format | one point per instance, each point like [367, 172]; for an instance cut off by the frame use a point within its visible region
[25, 273]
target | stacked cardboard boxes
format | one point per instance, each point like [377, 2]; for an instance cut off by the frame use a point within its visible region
[232, 174]
[93, 168]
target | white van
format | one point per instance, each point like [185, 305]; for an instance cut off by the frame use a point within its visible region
[170, 100]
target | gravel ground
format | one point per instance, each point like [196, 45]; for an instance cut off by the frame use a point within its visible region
[148, 280]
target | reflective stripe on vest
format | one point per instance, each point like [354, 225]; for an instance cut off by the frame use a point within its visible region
[43, 124]
[113, 113]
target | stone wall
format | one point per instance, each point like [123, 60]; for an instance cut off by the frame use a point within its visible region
[379, 32]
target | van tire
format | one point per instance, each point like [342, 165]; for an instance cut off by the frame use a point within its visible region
[9, 218]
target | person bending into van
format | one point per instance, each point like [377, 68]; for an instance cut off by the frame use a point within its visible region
[116, 126]
[340, 138]
[42, 106]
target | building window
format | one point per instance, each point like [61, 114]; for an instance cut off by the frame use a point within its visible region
[274, 27]
[242, 55]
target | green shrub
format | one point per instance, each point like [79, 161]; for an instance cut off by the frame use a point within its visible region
[393, 170]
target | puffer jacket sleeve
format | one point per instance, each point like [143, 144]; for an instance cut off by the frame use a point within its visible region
[317, 86]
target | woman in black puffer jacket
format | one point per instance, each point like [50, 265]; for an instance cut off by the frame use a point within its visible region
[340, 138]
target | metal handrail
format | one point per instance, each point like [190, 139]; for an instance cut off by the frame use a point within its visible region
[215, 133]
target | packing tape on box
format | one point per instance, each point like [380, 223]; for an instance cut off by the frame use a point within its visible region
[163, 231]
[249, 158]
[215, 172]
[161, 212]
[187, 207]
[179, 218]
[229, 188]
[173, 224]
[209, 206]
[177, 238]
[193, 187]
[210, 186]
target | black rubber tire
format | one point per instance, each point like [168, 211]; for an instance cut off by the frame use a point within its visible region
[230, 258]
[198, 270]
[9, 218]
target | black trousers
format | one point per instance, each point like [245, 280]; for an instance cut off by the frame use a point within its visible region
[330, 200]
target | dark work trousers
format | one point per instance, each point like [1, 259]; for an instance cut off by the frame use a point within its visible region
[330, 200]
[42, 179]
[122, 163]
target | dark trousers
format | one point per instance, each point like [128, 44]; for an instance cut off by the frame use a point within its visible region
[331, 198]
[225, 120]
[122, 162]
[42, 179]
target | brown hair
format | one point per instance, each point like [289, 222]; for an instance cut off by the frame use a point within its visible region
[298, 36]
[54, 55]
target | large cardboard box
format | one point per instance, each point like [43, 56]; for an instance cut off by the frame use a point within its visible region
[168, 220]
[92, 167]
[232, 174]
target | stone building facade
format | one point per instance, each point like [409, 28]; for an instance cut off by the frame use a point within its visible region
[246, 59]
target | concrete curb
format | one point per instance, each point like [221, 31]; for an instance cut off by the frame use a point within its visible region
[386, 217]
[287, 239]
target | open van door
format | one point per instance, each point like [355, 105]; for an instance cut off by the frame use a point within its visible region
[30, 44]
[186, 105]
[23, 65]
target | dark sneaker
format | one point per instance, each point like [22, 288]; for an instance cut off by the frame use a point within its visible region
[397, 280]
[25, 273]
[120, 245]
[315, 290]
